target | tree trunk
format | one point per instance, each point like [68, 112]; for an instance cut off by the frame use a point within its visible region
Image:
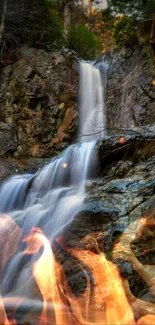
[67, 20]
[82, 3]
[2, 25]
[90, 6]
[152, 39]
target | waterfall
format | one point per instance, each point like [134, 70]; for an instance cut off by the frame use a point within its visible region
[57, 191]
[51, 198]
[92, 88]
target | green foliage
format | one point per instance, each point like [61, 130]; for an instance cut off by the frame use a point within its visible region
[84, 42]
[139, 9]
[54, 28]
[124, 31]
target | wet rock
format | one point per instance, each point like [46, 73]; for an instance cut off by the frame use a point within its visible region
[115, 204]
[91, 224]
[121, 168]
[11, 166]
[137, 285]
[8, 139]
[125, 268]
[99, 207]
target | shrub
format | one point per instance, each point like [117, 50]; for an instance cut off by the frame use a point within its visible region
[84, 42]
[124, 31]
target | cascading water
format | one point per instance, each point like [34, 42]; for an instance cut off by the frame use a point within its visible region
[57, 191]
[92, 88]
[51, 198]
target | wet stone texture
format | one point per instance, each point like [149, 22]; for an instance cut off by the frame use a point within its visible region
[118, 216]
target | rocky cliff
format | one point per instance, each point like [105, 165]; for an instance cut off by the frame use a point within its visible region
[131, 89]
[38, 103]
[39, 99]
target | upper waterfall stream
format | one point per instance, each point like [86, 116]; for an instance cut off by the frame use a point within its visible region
[92, 115]
[50, 198]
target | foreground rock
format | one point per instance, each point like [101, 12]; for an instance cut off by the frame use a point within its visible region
[118, 217]
[38, 103]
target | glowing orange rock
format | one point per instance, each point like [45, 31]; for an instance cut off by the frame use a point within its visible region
[121, 140]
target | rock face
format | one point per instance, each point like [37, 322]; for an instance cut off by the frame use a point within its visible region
[130, 93]
[39, 95]
[38, 103]
[125, 186]
[118, 217]
[8, 139]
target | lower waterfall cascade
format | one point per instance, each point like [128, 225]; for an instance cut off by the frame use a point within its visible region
[50, 199]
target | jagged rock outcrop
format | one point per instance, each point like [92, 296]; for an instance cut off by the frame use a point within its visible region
[118, 217]
[125, 186]
[38, 103]
[130, 99]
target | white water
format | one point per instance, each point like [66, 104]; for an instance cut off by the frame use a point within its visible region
[54, 195]
[92, 113]
[51, 198]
